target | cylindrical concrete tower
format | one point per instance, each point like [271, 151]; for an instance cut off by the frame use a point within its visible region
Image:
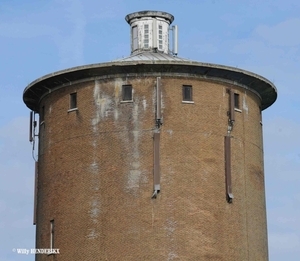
[151, 157]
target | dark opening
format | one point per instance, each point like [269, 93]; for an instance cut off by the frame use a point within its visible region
[52, 234]
[42, 114]
[236, 101]
[73, 100]
[187, 93]
[127, 93]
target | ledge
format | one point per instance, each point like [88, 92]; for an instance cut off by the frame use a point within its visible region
[74, 109]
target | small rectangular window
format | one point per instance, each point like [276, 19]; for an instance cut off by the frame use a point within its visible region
[127, 92]
[236, 101]
[42, 114]
[51, 234]
[187, 94]
[73, 100]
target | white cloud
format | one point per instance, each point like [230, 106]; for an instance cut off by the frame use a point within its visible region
[283, 34]
[282, 242]
[283, 213]
[274, 52]
[16, 193]
[206, 48]
[71, 43]
[66, 31]
[282, 135]
[282, 164]
[17, 165]
[26, 30]
[286, 220]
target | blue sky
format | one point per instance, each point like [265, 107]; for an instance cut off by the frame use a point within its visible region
[41, 37]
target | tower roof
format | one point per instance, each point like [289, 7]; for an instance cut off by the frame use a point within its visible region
[150, 55]
[141, 14]
[150, 64]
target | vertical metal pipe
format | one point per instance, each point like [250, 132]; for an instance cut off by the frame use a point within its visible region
[36, 172]
[156, 138]
[156, 162]
[175, 39]
[30, 126]
[229, 194]
[158, 99]
[232, 112]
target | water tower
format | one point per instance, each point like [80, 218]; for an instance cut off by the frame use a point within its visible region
[150, 157]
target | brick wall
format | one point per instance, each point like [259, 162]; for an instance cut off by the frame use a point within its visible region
[96, 173]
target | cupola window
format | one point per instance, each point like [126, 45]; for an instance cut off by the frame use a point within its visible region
[146, 36]
[160, 37]
[135, 37]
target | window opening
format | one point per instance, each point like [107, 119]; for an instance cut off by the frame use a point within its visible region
[187, 93]
[127, 92]
[51, 234]
[73, 100]
[236, 101]
[146, 36]
[42, 114]
[160, 41]
[135, 37]
[231, 107]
